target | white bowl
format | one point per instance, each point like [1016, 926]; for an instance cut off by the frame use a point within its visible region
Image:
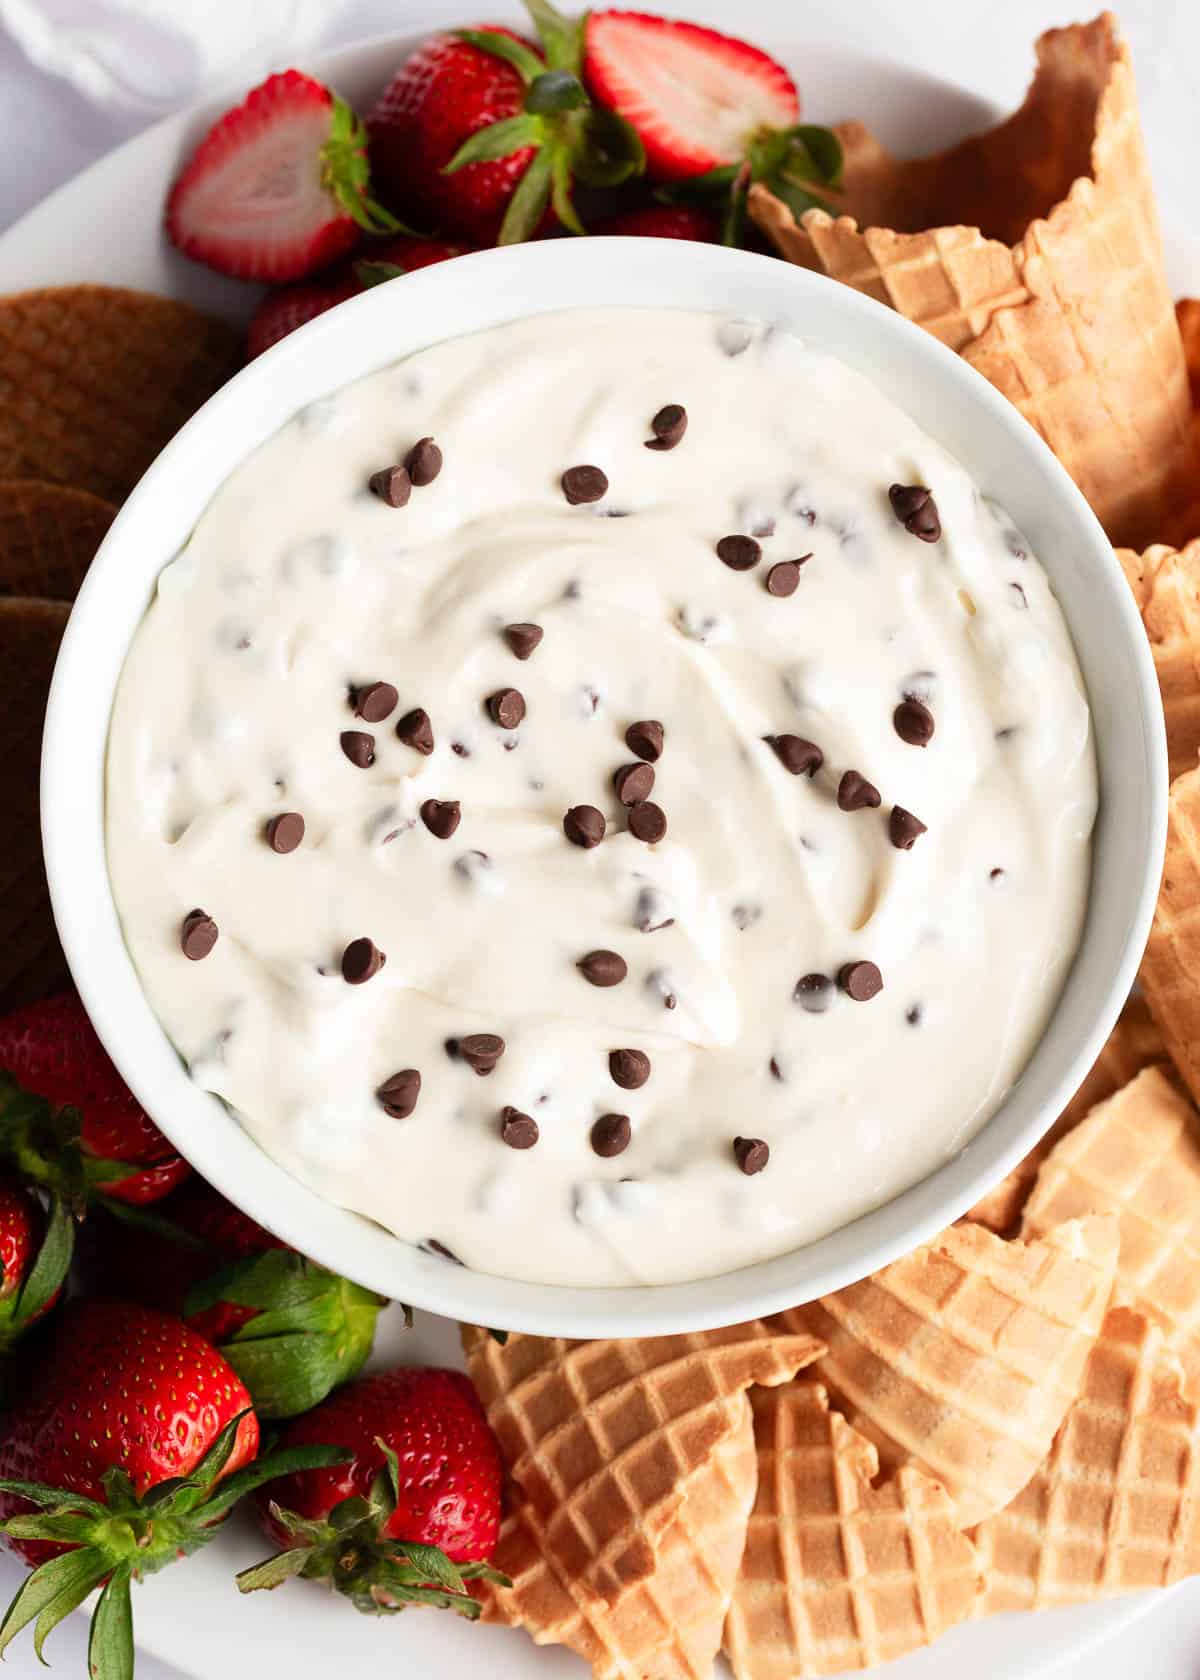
[998, 449]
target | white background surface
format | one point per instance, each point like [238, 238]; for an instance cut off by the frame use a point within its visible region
[51, 132]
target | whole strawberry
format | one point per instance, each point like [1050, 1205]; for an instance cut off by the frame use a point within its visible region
[411, 1517]
[133, 1440]
[279, 187]
[289, 307]
[290, 1329]
[35, 1254]
[712, 112]
[665, 221]
[480, 133]
[90, 1136]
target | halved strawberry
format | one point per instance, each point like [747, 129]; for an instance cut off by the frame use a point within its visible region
[278, 188]
[712, 112]
[289, 307]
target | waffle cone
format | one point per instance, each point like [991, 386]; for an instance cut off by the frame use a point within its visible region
[1166, 584]
[1170, 972]
[1138, 1156]
[839, 1573]
[31, 960]
[1116, 1505]
[1134, 1043]
[94, 380]
[963, 1357]
[602, 1437]
[1034, 251]
[665, 1627]
[48, 535]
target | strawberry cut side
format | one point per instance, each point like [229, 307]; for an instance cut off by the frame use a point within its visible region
[696, 97]
[278, 187]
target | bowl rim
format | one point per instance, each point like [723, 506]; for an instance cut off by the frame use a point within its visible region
[481, 285]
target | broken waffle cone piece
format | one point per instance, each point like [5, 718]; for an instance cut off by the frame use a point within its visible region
[1138, 1156]
[839, 1573]
[1034, 251]
[48, 535]
[1116, 1505]
[1166, 585]
[1134, 1043]
[963, 1356]
[31, 961]
[94, 380]
[601, 1437]
[665, 1627]
[1170, 972]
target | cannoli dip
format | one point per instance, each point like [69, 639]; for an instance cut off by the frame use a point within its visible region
[607, 798]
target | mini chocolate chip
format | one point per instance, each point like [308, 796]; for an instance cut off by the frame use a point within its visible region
[441, 816]
[645, 739]
[611, 1134]
[916, 510]
[633, 782]
[855, 792]
[740, 554]
[751, 1154]
[776, 1072]
[285, 832]
[814, 992]
[647, 821]
[583, 484]
[374, 701]
[392, 485]
[995, 874]
[913, 721]
[630, 1069]
[506, 707]
[361, 960]
[423, 462]
[523, 638]
[904, 829]
[359, 747]
[603, 968]
[784, 577]
[519, 1131]
[432, 1246]
[460, 749]
[800, 757]
[1021, 600]
[860, 980]
[481, 1051]
[913, 1014]
[584, 826]
[398, 1094]
[416, 731]
[198, 935]
[668, 426]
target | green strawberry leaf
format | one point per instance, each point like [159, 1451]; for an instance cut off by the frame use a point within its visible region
[560, 192]
[824, 152]
[606, 149]
[522, 58]
[46, 1275]
[40, 1493]
[498, 140]
[274, 1571]
[527, 205]
[561, 37]
[70, 1528]
[346, 172]
[288, 1461]
[110, 1647]
[711, 187]
[431, 1564]
[50, 1584]
[370, 274]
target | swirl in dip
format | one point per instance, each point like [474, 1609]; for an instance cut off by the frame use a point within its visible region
[835, 897]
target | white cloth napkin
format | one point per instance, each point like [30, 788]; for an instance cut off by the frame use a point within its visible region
[151, 56]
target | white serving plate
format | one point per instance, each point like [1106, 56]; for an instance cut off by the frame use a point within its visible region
[192, 1617]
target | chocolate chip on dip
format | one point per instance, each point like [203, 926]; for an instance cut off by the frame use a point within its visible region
[198, 935]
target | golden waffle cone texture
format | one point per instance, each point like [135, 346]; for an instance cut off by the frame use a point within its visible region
[1170, 972]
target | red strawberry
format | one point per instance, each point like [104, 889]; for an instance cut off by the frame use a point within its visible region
[95, 1137]
[35, 1253]
[278, 188]
[412, 1516]
[123, 1401]
[711, 112]
[220, 1271]
[665, 221]
[282, 311]
[481, 133]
